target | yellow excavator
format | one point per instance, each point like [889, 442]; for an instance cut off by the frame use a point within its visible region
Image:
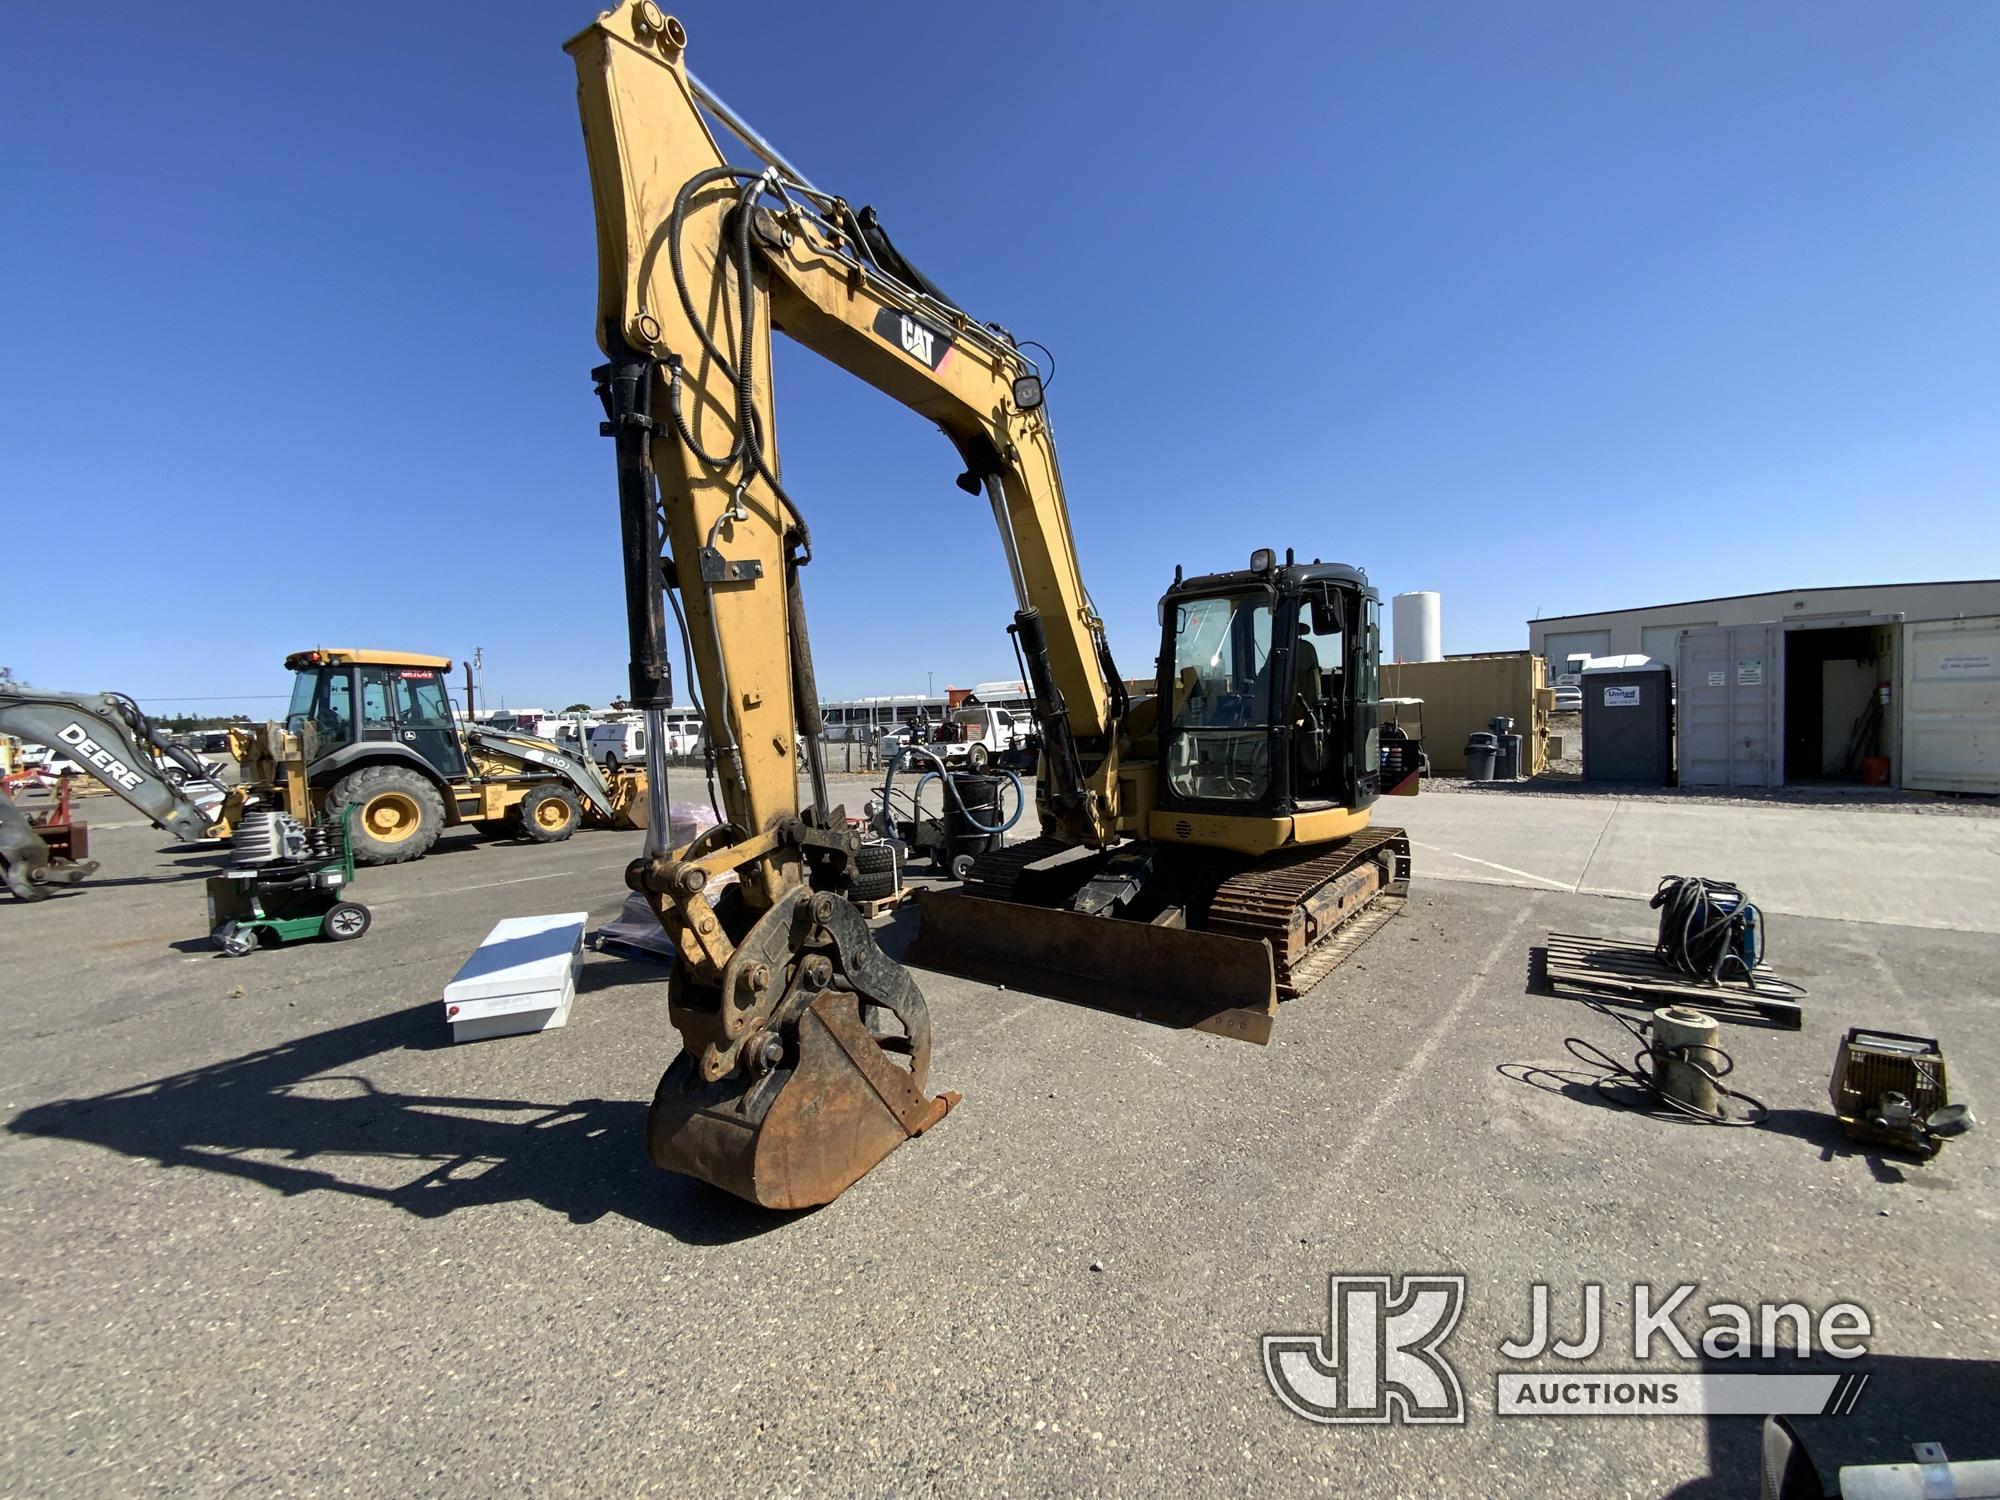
[1203, 849]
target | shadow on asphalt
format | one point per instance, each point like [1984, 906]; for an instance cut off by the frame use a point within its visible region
[302, 1102]
[1951, 1402]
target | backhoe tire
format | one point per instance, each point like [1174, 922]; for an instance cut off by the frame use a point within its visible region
[398, 813]
[549, 814]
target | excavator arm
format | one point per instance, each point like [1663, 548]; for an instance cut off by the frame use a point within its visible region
[788, 1089]
[111, 738]
[698, 261]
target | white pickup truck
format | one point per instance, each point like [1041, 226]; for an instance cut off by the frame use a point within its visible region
[974, 736]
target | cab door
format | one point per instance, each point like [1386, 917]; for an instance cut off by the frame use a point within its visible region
[414, 710]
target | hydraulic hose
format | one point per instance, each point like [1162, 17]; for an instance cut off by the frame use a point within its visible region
[942, 773]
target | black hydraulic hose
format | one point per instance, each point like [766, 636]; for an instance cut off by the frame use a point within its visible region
[1058, 740]
[805, 685]
[675, 220]
[735, 367]
[1648, 1065]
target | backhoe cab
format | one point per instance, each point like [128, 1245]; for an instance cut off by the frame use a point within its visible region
[374, 731]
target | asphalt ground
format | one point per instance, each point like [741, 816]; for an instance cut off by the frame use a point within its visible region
[267, 1231]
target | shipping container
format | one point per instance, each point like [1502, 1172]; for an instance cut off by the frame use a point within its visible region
[1463, 693]
[1951, 705]
[1728, 728]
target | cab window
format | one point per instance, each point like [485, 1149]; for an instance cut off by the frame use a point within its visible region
[375, 698]
[420, 701]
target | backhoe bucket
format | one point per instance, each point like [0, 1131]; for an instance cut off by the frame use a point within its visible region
[1205, 981]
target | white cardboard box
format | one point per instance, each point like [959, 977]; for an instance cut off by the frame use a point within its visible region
[522, 978]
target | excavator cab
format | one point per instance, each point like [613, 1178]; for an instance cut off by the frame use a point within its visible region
[1268, 685]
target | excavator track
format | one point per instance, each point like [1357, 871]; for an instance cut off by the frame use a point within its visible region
[1228, 945]
[1316, 911]
[995, 873]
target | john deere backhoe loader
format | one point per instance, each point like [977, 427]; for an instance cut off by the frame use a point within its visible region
[112, 739]
[1201, 849]
[374, 731]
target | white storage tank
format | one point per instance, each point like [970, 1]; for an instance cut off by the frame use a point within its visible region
[1417, 619]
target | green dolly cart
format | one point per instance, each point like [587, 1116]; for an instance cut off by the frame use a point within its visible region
[289, 881]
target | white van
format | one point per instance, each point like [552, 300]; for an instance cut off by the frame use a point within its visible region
[623, 741]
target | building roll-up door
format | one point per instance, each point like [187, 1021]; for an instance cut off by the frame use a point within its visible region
[1951, 705]
[1727, 730]
[1557, 646]
[1661, 642]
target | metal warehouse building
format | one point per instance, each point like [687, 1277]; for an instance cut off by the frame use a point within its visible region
[1882, 682]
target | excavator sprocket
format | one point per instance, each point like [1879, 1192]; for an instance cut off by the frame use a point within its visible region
[843, 1086]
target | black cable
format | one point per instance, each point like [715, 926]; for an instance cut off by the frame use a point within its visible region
[748, 445]
[1050, 378]
[1711, 932]
[1644, 1074]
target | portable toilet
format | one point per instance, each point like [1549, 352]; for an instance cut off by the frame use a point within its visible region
[1628, 720]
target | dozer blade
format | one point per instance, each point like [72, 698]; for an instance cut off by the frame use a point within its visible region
[1173, 977]
[839, 1098]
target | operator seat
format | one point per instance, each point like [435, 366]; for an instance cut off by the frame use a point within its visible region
[1308, 700]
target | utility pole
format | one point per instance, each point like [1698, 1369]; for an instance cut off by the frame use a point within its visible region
[930, 684]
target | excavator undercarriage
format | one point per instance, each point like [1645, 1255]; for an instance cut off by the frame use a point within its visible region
[1209, 942]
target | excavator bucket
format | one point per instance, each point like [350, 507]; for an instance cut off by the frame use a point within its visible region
[1206, 981]
[800, 1136]
[841, 1087]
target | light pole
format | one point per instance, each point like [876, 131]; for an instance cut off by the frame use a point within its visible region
[930, 684]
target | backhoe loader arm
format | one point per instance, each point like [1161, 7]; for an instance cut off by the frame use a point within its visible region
[111, 738]
[698, 261]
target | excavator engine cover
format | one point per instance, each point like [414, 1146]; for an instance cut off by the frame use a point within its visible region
[821, 1090]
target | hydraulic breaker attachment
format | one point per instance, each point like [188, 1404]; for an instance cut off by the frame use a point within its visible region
[803, 1069]
[1155, 972]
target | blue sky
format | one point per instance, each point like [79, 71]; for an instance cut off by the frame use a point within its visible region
[1549, 307]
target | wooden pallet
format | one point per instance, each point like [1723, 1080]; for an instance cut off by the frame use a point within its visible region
[882, 905]
[1619, 972]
